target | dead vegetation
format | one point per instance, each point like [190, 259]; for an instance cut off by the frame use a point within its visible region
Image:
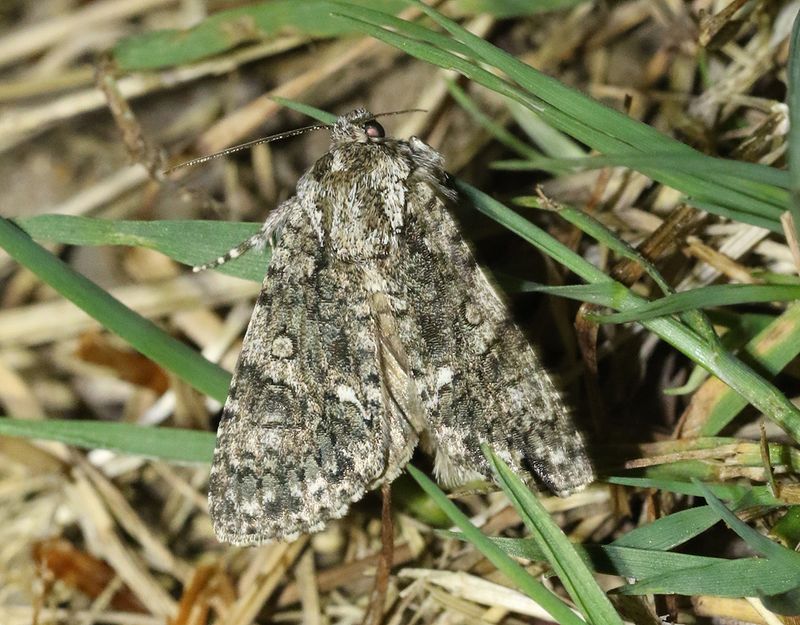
[96, 537]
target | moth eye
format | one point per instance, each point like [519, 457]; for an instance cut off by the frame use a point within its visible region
[374, 129]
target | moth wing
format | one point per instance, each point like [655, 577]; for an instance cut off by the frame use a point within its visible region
[480, 379]
[306, 428]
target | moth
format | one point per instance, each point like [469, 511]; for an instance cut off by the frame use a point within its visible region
[375, 330]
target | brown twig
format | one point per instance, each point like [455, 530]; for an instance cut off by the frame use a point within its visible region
[377, 602]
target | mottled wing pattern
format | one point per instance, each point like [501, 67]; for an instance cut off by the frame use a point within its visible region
[375, 324]
[307, 427]
[480, 379]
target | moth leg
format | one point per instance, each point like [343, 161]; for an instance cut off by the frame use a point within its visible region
[265, 236]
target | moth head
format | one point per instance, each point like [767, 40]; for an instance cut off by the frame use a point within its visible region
[358, 126]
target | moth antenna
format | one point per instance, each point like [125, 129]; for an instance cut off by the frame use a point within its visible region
[244, 146]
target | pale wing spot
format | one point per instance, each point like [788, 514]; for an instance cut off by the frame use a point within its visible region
[444, 376]
[472, 314]
[558, 456]
[347, 394]
[282, 347]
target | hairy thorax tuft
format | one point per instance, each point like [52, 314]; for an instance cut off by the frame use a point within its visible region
[360, 198]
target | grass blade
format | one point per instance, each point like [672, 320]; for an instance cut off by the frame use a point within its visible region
[558, 550]
[172, 444]
[139, 332]
[670, 531]
[188, 242]
[518, 576]
[705, 297]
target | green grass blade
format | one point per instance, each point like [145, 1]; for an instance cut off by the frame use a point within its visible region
[664, 572]
[787, 603]
[756, 541]
[534, 235]
[759, 391]
[641, 564]
[770, 350]
[670, 531]
[188, 242]
[766, 179]
[172, 444]
[607, 559]
[602, 294]
[551, 141]
[746, 577]
[571, 101]
[612, 123]
[139, 332]
[564, 108]
[757, 495]
[367, 24]
[704, 297]
[515, 8]
[768, 222]
[600, 233]
[225, 30]
[496, 130]
[306, 109]
[515, 573]
[558, 550]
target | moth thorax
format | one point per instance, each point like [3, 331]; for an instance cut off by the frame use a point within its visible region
[362, 239]
[363, 218]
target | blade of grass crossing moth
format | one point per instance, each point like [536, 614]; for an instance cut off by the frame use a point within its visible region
[756, 389]
[515, 573]
[140, 333]
[559, 551]
[171, 444]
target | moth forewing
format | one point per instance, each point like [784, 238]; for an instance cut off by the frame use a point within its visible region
[375, 326]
